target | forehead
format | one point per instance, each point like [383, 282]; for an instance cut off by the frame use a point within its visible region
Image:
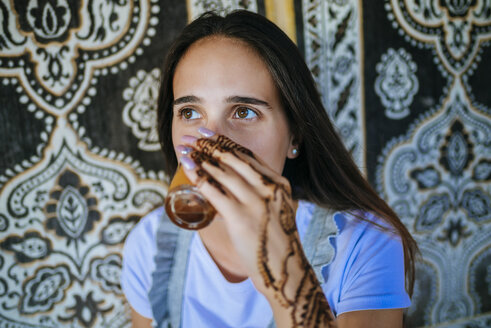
[222, 46]
[222, 62]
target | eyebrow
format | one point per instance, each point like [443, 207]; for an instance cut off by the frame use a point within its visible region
[248, 100]
[231, 99]
[187, 99]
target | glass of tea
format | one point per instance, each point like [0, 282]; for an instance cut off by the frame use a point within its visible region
[185, 205]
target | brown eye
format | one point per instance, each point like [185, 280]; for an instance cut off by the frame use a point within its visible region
[245, 113]
[189, 114]
[242, 113]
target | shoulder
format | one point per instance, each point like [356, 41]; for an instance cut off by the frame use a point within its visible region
[364, 240]
[138, 261]
[367, 271]
[147, 226]
[140, 245]
[143, 235]
[361, 230]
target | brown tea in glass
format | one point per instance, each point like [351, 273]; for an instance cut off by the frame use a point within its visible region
[185, 205]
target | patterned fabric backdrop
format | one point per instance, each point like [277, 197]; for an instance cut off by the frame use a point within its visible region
[406, 82]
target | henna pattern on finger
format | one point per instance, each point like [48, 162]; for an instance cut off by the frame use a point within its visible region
[199, 158]
[204, 153]
[222, 144]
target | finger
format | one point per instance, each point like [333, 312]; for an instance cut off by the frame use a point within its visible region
[224, 175]
[242, 168]
[217, 145]
[183, 150]
[197, 175]
[235, 184]
[253, 170]
[206, 132]
[208, 145]
[221, 147]
[223, 141]
[218, 195]
[212, 140]
[187, 139]
[268, 175]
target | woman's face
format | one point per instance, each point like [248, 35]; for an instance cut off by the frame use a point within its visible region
[223, 85]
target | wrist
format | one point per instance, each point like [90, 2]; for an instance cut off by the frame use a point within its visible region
[300, 304]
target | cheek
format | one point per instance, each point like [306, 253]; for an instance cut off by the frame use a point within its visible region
[177, 132]
[270, 149]
[175, 136]
[275, 158]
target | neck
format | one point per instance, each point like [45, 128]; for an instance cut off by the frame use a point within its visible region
[217, 242]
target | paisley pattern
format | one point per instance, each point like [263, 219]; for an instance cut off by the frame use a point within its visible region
[84, 206]
[333, 51]
[404, 81]
[197, 7]
[436, 175]
[396, 83]
[45, 289]
[66, 210]
[454, 29]
[140, 112]
[59, 44]
[448, 209]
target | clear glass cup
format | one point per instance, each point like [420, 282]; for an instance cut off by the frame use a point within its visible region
[185, 205]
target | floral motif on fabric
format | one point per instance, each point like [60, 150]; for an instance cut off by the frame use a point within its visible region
[334, 56]
[396, 83]
[59, 44]
[140, 111]
[197, 7]
[436, 178]
[67, 218]
[454, 28]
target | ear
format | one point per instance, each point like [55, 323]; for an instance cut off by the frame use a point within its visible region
[294, 148]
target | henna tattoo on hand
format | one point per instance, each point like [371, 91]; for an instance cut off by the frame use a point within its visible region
[222, 144]
[309, 307]
[199, 158]
[204, 153]
[299, 291]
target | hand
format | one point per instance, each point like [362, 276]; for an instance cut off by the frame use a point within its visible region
[258, 210]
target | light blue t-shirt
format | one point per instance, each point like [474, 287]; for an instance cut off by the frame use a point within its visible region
[366, 273]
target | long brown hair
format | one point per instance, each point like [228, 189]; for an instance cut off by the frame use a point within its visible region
[324, 172]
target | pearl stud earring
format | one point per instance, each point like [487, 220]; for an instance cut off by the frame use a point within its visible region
[295, 151]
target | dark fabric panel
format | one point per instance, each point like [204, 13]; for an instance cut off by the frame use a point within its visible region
[379, 36]
[20, 131]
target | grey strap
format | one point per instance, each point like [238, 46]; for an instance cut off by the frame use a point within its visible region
[166, 239]
[178, 277]
[168, 278]
[317, 241]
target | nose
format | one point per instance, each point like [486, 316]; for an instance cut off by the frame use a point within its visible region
[214, 125]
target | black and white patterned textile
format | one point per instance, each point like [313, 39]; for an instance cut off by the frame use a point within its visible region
[80, 164]
[406, 83]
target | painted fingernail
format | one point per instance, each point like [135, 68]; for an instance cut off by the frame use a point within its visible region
[187, 162]
[183, 149]
[206, 132]
[188, 139]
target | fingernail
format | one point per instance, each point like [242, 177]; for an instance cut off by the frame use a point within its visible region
[187, 162]
[188, 139]
[183, 149]
[207, 133]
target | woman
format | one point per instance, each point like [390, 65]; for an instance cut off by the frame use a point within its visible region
[300, 238]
